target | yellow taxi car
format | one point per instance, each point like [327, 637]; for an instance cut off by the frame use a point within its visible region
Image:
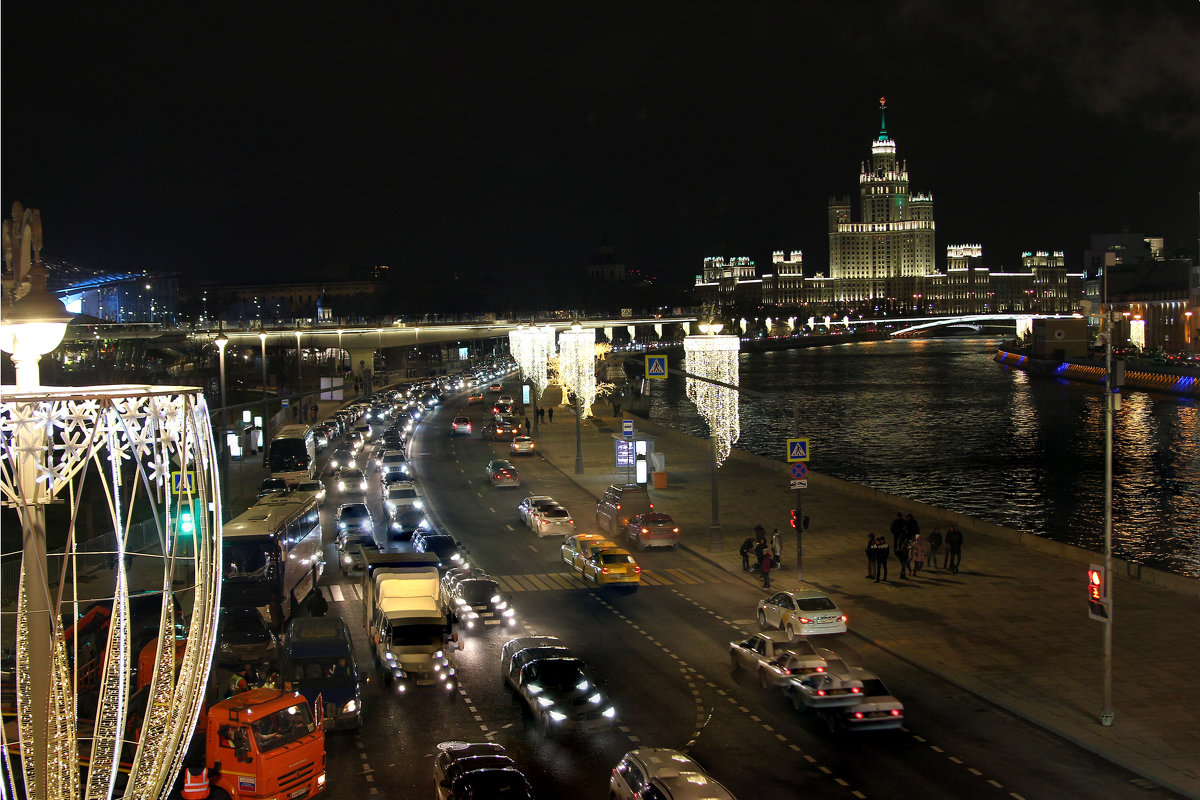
[612, 566]
[580, 546]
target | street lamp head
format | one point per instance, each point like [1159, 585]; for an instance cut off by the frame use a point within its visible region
[33, 326]
[221, 339]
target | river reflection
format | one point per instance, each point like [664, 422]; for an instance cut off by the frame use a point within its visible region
[940, 422]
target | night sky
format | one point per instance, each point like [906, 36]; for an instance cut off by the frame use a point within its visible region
[504, 140]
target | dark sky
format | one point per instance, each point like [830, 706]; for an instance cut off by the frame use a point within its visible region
[505, 139]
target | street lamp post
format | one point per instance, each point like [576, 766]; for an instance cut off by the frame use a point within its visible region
[299, 357]
[262, 338]
[222, 341]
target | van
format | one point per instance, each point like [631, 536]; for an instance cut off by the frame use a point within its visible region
[318, 661]
[621, 502]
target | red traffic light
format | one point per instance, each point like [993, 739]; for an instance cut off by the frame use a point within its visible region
[793, 517]
[1095, 584]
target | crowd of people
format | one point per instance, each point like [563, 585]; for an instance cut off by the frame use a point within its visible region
[914, 551]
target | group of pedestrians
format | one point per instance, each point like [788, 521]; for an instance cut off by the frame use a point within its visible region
[766, 555]
[545, 414]
[912, 550]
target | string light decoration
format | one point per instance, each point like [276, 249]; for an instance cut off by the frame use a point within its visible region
[577, 365]
[121, 444]
[715, 358]
[531, 349]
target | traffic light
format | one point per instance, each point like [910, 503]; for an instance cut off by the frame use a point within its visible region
[188, 518]
[1097, 591]
[793, 517]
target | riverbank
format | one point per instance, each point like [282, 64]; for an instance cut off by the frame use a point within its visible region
[1010, 627]
[1146, 378]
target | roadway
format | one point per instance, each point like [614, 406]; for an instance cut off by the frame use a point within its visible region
[662, 655]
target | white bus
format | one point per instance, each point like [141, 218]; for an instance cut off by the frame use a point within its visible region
[271, 554]
[293, 454]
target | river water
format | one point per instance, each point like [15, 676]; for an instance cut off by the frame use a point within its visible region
[938, 421]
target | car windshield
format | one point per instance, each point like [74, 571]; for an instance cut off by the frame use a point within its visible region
[559, 673]
[659, 519]
[283, 727]
[242, 625]
[394, 459]
[316, 673]
[440, 544]
[355, 512]
[402, 493]
[494, 783]
[308, 486]
[350, 475]
[247, 559]
[815, 604]
[616, 558]
[477, 592]
[416, 635]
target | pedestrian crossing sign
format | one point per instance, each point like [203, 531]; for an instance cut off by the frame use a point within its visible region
[797, 450]
[183, 482]
[656, 366]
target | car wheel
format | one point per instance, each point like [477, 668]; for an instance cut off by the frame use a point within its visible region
[733, 663]
[797, 703]
[762, 621]
[763, 680]
[791, 632]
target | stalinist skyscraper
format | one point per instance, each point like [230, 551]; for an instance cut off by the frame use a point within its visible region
[877, 263]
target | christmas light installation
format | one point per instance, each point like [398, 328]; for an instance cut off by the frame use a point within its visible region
[577, 365]
[715, 358]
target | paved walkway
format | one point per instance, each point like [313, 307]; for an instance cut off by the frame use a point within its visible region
[1011, 626]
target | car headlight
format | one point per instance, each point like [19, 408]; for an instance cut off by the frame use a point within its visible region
[596, 698]
[347, 560]
[456, 558]
[363, 486]
[391, 505]
[610, 712]
[533, 688]
[341, 486]
[510, 612]
[545, 702]
[557, 716]
[582, 685]
[350, 707]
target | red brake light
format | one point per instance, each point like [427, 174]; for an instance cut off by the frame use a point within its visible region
[895, 712]
[858, 715]
[604, 570]
[820, 692]
[674, 530]
[786, 671]
[805, 621]
[618, 506]
[844, 618]
[652, 505]
[637, 570]
[820, 669]
[856, 690]
[645, 531]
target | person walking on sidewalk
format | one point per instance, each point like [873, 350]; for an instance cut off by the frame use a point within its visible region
[766, 568]
[897, 528]
[744, 550]
[550, 414]
[882, 553]
[871, 568]
[935, 547]
[527, 426]
[903, 553]
[776, 549]
[920, 553]
[954, 543]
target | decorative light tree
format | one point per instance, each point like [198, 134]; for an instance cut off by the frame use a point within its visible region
[577, 371]
[713, 360]
[531, 349]
[75, 702]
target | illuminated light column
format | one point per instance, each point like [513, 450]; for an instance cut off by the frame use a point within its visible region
[222, 341]
[713, 360]
[577, 369]
[299, 358]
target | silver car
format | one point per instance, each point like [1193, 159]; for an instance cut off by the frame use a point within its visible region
[775, 658]
[666, 773]
[552, 521]
[802, 612]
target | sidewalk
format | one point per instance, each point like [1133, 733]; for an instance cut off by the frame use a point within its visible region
[1010, 627]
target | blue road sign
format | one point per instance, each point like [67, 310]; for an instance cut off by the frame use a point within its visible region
[656, 366]
[797, 449]
[627, 427]
[799, 472]
[183, 482]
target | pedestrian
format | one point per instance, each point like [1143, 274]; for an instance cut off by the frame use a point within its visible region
[541, 415]
[744, 550]
[897, 528]
[954, 543]
[911, 528]
[618, 411]
[240, 681]
[765, 565]
[903, 553]
[776, 549]
[882, 553]
[550, 414]
[919, 553]
[870, 551]
[317, 604]
[935, 546]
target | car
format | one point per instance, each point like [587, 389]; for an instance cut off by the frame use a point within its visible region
[620, 503]
[405, 520]
[775, 657]
[271, 486]
[245, 638]
[461, 425]
[513, 653]
[392, 463]
[502, 473]
[501, 410]
[559, 695]
[401, 493]
[343, 457]
[833, 688]
[522, 445]
[444, 546]
[652, 530]
[503, 430]
[474, 601]
[802, 612]
[661, 774]
[475, 770]
[505, 398]
[353, 518]
[321, 436]
[877, 711]
[350, 480]
[475, 397]
[496, 388]
[552, 521]
[532, 503]
[364, 429]
[580, 546]
[356, 440]
[314, 487]
[611, 567]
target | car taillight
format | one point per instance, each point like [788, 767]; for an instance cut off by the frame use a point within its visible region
[858, 715]
[644, 530]
[618, 506]
[805, 620]
[786, 671]
[637, 570]
[820, 692]
[604, 570]
[819, 669]
[895, 712]
[844, 618]
[855, 690]
[674, 530]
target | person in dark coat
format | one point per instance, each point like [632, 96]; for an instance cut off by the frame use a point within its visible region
[765, 563]
[317, 604]
[870, 551]
[935, 547]
[550, 414]
[954, 543]
[744, 551]
[882, 553]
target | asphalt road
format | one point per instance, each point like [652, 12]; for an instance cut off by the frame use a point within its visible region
[662, 654]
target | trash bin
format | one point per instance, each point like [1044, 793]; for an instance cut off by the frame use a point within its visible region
[660, 480]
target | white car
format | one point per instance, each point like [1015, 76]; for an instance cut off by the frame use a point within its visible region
[803, 612]
[316, 487]
[552, 521]
[533, 502]
[836, 687]
[775, 658]
[351, 480]
[658, 772]
[877, 711]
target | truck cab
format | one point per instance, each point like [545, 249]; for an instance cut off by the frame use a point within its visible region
[265, 743]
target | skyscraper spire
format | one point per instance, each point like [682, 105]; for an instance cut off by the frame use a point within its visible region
[883, 119]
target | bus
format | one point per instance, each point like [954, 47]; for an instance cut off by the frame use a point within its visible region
[271, 554]
[292, 454]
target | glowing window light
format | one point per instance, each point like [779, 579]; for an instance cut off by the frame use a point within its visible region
[715, 358]
[577, 365]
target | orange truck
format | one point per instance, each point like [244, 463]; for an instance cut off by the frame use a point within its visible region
[264, 743]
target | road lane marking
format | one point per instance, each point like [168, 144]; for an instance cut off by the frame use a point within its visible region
[336, 591]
